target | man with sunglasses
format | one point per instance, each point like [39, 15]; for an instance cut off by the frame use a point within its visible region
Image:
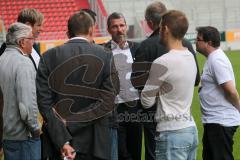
[34, 19]
[219, 97]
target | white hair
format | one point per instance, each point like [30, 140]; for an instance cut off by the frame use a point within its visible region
[17, 31]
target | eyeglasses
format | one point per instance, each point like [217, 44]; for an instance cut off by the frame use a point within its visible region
[199, 40]
[31, 38]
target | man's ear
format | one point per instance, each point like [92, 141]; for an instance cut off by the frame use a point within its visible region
[94, 27]
[166, 29]
[108, 30]
[91, 34]
[21, 43]
[209, 43]
[90, 31]
[68, 35]
[150, 24]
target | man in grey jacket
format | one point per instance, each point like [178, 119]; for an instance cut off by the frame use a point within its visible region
[17, 83]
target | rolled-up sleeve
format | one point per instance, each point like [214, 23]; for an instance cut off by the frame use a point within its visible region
[151, 91]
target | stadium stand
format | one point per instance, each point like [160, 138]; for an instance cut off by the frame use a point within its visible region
[56, 13]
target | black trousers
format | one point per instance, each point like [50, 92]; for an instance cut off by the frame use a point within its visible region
[129, 131]
[149, 139]
[149, 126]
[218, 142]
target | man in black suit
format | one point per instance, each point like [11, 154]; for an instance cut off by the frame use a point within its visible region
[149, 50]
[76, 87]
[127, 101]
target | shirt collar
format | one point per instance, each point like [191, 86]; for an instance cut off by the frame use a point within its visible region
[114, 45]
[214, 52]
[17, 48]
[83, 38]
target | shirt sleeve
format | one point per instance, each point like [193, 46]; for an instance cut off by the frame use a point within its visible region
[222, 71]
[157, 76]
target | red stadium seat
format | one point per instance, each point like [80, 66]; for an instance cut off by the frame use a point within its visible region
[56, 13]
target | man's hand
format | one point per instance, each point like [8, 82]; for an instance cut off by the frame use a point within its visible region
[231, 94]
[68, 152]
[36, 133]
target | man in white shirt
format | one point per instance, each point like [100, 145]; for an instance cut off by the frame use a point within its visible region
[219, 98]
[172, 90]
[34, 19]
[127, 101]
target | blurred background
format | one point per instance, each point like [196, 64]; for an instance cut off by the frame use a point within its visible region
[223, 14]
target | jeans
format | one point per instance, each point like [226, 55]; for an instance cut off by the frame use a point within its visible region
[114, 144]
[177, 145]
[22, 150]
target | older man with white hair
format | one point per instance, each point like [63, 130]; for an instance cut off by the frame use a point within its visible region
[17, 82]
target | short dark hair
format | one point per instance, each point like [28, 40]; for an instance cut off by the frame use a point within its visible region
[91, 13]
[79, 23]
[177, 23]
[154, 12]
[210, 33]
[114, 15]
[30, 15]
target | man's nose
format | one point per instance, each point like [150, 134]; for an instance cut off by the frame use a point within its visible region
[119, 29]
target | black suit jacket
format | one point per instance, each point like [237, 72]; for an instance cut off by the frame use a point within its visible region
[151, 48]
[74, 78]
